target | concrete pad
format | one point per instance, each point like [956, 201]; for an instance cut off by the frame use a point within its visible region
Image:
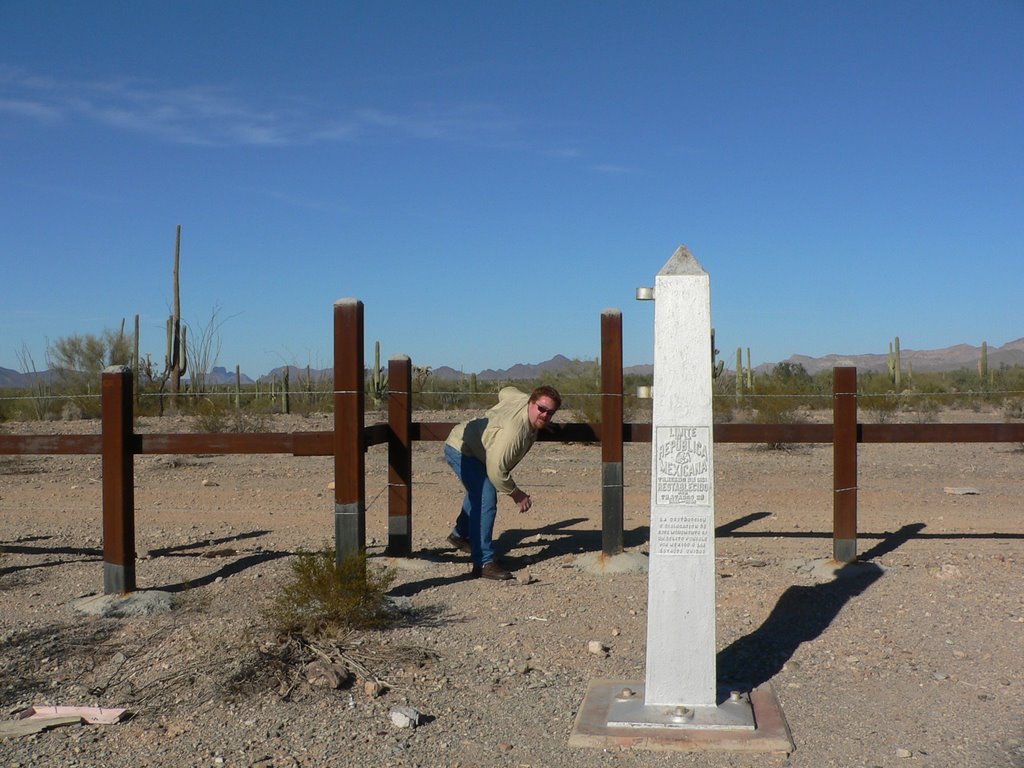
[835, 569]
[600, 563]
[146, 603]
[770, 733]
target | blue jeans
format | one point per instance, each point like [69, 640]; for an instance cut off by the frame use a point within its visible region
[479, 507]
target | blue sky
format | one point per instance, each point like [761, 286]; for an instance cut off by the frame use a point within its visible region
[488, 177]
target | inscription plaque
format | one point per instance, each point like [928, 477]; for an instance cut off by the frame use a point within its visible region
[681, 534]
[683, 466]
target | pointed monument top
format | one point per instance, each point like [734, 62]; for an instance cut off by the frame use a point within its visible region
[682, 263]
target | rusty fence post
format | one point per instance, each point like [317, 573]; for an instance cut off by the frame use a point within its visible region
[118, 464]
[611, 432]
[399, 456]
[349, 443]
[844, 461]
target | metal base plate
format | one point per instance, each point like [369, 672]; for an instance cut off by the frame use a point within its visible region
[607, 719]
[628, 710]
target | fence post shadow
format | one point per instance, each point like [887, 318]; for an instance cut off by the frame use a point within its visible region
[233, 568]
[801, 614]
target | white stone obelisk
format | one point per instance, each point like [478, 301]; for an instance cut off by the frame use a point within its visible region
[681, 588]
[679, 705]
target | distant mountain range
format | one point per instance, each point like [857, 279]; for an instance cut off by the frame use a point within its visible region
[946, 359]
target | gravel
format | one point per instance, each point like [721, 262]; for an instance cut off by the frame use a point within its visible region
[913, 658]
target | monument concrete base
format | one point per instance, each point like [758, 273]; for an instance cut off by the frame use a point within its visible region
[613, 714]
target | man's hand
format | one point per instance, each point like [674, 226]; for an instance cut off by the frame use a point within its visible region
[522, 500]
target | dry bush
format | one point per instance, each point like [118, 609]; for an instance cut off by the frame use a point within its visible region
[219, 418]
[323, 598]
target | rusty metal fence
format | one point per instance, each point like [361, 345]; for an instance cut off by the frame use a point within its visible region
[117, 444]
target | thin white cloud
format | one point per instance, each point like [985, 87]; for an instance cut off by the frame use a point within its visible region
[211, 116]
[30, 109]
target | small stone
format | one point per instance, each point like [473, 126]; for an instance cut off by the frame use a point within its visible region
[616, 631]
[904, 753]
[505, 746]
[325, 675]
[330, 486]
[597, 648]
[373, 688]
[405, 717]
[208, 483]
[947, 571]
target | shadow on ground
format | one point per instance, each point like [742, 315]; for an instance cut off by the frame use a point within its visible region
[801, 615]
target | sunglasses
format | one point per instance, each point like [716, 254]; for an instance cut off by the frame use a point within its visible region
[546, 411]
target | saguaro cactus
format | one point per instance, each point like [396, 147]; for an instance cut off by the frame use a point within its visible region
[177, 347]
[739, 372]
[136, 363]
[717, 366]
[895, 367]
[983, 372]
[286, 403]
[377, 386]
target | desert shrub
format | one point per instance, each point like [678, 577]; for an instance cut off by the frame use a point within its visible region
[585, 407]
[218, 417]
[323, 598]
[776, 409]
[791, 377]
[71, 411]
[29, 408]
[1013, 409]
[724, 409]
[881, 408]
[926, 410]
[77, 361]
[432, 400]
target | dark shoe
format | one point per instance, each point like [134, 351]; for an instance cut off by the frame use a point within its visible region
[460, 543]
[491, 571]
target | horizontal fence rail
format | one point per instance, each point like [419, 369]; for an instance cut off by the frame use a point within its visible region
[320, 443]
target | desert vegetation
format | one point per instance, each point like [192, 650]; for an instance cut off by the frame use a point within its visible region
[786, 393]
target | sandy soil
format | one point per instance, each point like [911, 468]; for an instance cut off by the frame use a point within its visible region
[914, 662]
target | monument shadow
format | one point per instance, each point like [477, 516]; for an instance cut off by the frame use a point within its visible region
[800, 616]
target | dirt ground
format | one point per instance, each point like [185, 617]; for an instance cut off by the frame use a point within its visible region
[914, 661]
